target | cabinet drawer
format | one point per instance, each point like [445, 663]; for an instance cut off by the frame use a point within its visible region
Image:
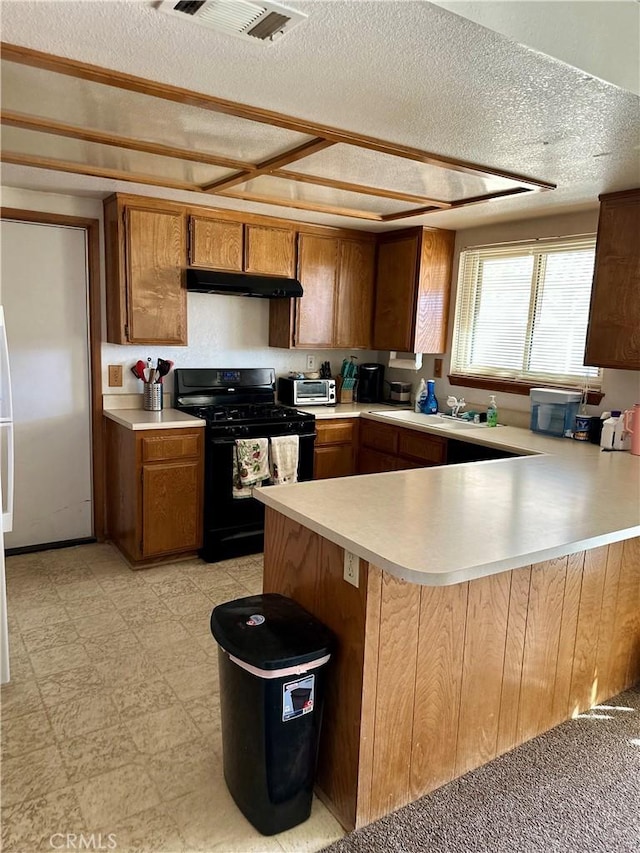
[175, 446]
[379, 436]
[428, 448]
[335, 432]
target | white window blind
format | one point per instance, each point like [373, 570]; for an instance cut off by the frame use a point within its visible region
[522, 312]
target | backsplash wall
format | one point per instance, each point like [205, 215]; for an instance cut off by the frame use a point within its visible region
[224, 331]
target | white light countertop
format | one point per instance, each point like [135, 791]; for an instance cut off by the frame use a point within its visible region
[448, 524]
[352, 410]
[141, 419]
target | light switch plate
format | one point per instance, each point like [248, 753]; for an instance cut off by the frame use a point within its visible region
[437, 367]
[352, 568]
[115, 376]
[311, 362]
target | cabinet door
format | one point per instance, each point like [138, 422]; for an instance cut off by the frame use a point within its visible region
[335, 460]
[379, 436]
[170, 507]
[156, 297]
[356, 279]
[613, 337]
[270, 251]
[394, 320]
[215, 244]
[373, 462]
[434, 291]
[315, 311]
[429, 449]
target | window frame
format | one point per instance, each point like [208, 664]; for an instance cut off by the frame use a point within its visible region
[498, 379]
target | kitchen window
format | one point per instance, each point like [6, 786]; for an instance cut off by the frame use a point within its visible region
[521, 315]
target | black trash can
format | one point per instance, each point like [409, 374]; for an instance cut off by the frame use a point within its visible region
[272, 655]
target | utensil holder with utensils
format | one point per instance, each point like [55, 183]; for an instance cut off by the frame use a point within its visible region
[152, 397]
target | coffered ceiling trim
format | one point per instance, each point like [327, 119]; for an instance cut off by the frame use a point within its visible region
[322, 137]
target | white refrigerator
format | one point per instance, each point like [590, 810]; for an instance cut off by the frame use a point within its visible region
[6, 489]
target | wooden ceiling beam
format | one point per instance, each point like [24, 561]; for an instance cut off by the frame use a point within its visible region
[94, 171]
[358, 188]
[305, 205]
[118, 79]
[57, 128]
[287, 157]
[117, 175]
[455, 205]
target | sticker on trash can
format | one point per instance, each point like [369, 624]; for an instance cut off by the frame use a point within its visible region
[297, 697]
[256, 619]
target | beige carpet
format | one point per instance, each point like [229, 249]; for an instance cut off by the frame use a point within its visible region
[575, 789]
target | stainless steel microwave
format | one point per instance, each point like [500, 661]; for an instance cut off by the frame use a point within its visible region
[307, 392]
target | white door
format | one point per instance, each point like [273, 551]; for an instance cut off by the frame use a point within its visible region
[45, 296]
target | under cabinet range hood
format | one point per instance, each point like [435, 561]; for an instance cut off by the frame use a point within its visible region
[241, 284]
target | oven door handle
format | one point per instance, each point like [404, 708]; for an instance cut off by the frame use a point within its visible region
[223, 441]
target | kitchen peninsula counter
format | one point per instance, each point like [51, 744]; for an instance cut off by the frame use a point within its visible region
[453, 523]
[492, 601]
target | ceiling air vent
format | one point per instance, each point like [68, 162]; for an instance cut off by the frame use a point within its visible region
[244, 18]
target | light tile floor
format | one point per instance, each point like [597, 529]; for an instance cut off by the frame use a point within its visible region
[110, 723]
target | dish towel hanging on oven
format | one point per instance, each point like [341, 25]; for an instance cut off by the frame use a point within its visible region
[283, 459]
[250, 465]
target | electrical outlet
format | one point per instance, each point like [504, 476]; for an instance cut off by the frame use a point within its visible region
[437, 367]
[311, 362]
[352, 568]
[115, 376]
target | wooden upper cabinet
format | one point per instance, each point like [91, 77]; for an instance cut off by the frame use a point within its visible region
[225, 244]
[413, 286]
[215, 243]
[336, 310]
[613, 336]
[145, 259]
[270, 251]
[317, 270]
[356, 278]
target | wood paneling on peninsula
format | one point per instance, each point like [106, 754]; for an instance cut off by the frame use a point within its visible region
[429, 682]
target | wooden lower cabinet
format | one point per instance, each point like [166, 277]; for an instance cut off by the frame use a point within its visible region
[335, 448]
[384, 447]
[429, 682]
[154, 491]
[373, 462]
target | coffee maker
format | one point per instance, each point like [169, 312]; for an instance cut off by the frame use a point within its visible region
[370, 383]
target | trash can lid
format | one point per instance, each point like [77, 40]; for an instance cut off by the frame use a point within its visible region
[270, 631]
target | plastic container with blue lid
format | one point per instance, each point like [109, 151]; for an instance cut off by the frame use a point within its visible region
[553, 411]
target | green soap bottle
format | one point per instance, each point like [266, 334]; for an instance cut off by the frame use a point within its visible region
[492, 412]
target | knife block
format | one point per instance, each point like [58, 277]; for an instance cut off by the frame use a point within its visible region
[342, 395]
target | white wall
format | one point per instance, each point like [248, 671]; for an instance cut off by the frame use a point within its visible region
[223, 331]
[621, 387]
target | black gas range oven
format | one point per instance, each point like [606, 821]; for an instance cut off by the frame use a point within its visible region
[237, 403]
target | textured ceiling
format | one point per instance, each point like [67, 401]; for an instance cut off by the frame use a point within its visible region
[407, 72]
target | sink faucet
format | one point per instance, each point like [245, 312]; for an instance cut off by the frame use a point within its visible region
[456, 405]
